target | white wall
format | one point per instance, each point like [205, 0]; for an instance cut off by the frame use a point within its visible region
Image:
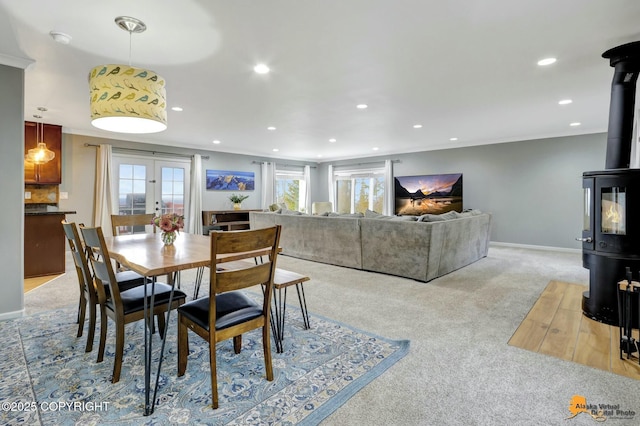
[12, 190]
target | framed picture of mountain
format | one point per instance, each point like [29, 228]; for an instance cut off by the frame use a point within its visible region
[434, 194]
[227, 180]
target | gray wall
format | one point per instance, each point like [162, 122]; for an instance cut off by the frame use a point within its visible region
[12, 190]
[532, 188]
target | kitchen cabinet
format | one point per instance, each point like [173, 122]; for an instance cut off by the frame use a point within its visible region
[44, 243]
[50, 172]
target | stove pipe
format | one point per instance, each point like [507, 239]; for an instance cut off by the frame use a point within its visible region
[626, 61]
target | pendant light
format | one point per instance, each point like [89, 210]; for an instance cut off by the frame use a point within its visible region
[40, 154]
[127, 99]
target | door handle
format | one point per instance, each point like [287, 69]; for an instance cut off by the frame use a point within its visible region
[585, 240]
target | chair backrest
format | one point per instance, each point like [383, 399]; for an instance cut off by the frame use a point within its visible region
[101, 262]
[119, 221]
[246, 243]
[79, 255]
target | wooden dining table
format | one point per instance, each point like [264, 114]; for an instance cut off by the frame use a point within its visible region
[147, 255]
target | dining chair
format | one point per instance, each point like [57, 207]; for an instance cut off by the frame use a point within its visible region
[227, 312]
[125, 280]
[124, 307]
[119, 221]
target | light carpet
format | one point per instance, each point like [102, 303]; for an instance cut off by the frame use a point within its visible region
[321, 368]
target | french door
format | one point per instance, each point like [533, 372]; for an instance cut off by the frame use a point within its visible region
[148, 185]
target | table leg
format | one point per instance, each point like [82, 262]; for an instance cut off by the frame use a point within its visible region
[303, 305]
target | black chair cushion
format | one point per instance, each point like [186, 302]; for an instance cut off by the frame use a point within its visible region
[128, 279]
[133, 299]
[232, 308]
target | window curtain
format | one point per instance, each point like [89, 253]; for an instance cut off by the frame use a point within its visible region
[102, 205]
[195, 196]
[268, 184]
[389, 202]
[307, 191]
[331, 187]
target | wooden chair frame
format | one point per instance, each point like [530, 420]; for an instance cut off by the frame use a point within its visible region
[118, 220]
[232, 280]
[104, 273]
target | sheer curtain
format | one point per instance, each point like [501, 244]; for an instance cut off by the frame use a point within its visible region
[388, 205]
[268, 184]
[307, 192]
[331, 191]
[102, 206]
[195, 196]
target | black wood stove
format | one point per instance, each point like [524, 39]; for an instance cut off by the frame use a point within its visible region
[611, 229]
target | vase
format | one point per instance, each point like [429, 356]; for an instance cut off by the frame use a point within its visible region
[237, 206]
[168, 237]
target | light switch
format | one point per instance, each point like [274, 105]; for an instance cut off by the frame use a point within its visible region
[27, 195]
[64, 195]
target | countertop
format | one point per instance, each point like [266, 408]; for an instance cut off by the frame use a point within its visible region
[46, 212]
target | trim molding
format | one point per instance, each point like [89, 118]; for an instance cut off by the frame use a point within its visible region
[15, 61]
[12, 315]
[534, 247]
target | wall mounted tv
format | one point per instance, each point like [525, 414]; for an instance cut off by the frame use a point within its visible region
[434, 194]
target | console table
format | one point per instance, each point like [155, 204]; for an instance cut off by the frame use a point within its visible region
[226, 220]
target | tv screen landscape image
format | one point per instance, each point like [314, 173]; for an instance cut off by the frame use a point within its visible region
[434, 194]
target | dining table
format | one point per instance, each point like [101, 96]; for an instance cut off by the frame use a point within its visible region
[147, 255]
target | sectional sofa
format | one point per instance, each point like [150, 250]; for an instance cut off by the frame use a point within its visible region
[422, 248]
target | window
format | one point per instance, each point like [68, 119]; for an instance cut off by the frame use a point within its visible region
[359, 190]
[291, 189]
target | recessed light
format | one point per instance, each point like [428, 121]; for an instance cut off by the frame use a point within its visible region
[546, 61]
[362, 106]
[176, 109]
[417, 126]
[217, 142]
[453, 139]
[60, 37]
[319, 155]
[332, 140]
[565, 102]
[271, 128]
[275, 150]
[261, 69]
[574, 124]
[375, 148]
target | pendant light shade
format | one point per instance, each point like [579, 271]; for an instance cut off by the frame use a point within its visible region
[126, 99]
[40, 154]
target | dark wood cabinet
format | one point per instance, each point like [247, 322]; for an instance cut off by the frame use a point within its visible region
[48, 173]
[43, 245]
[226, 220]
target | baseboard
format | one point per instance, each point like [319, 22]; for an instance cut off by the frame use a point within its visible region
[12, 315]
[534, 247]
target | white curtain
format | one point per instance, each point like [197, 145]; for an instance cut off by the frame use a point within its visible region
[307, 192]
[102, 206]
[195, 196]
[389, 202]
[268, 184]
[330, 186]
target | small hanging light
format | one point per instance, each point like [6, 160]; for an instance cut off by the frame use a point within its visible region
[40, 154]
[126, 99]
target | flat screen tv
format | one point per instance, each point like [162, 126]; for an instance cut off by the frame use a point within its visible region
[434, 194]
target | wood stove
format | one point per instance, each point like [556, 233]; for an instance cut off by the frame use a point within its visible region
[610, 236]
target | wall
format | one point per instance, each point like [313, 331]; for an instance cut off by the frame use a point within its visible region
[12, 190]
[532, 188]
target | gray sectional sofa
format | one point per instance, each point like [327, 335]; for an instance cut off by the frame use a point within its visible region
[421, 248]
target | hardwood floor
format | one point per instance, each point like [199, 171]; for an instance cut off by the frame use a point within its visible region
[555, 326]
[31, 283]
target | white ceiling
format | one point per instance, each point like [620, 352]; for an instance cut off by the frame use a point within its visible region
[461, 68]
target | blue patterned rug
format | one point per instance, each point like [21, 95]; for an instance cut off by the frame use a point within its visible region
[46, 377]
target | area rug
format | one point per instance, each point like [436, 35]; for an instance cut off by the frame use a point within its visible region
[46, 378]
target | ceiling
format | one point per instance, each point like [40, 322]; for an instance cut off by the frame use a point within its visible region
[461, 69]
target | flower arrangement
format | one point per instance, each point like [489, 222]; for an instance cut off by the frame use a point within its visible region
[169, 224]
[236, 198]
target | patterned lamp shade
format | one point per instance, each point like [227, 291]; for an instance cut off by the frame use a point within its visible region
[126, 99]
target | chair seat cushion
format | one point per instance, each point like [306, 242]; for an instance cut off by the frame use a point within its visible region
[232, 308]
[133, 299]
[128, 279]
